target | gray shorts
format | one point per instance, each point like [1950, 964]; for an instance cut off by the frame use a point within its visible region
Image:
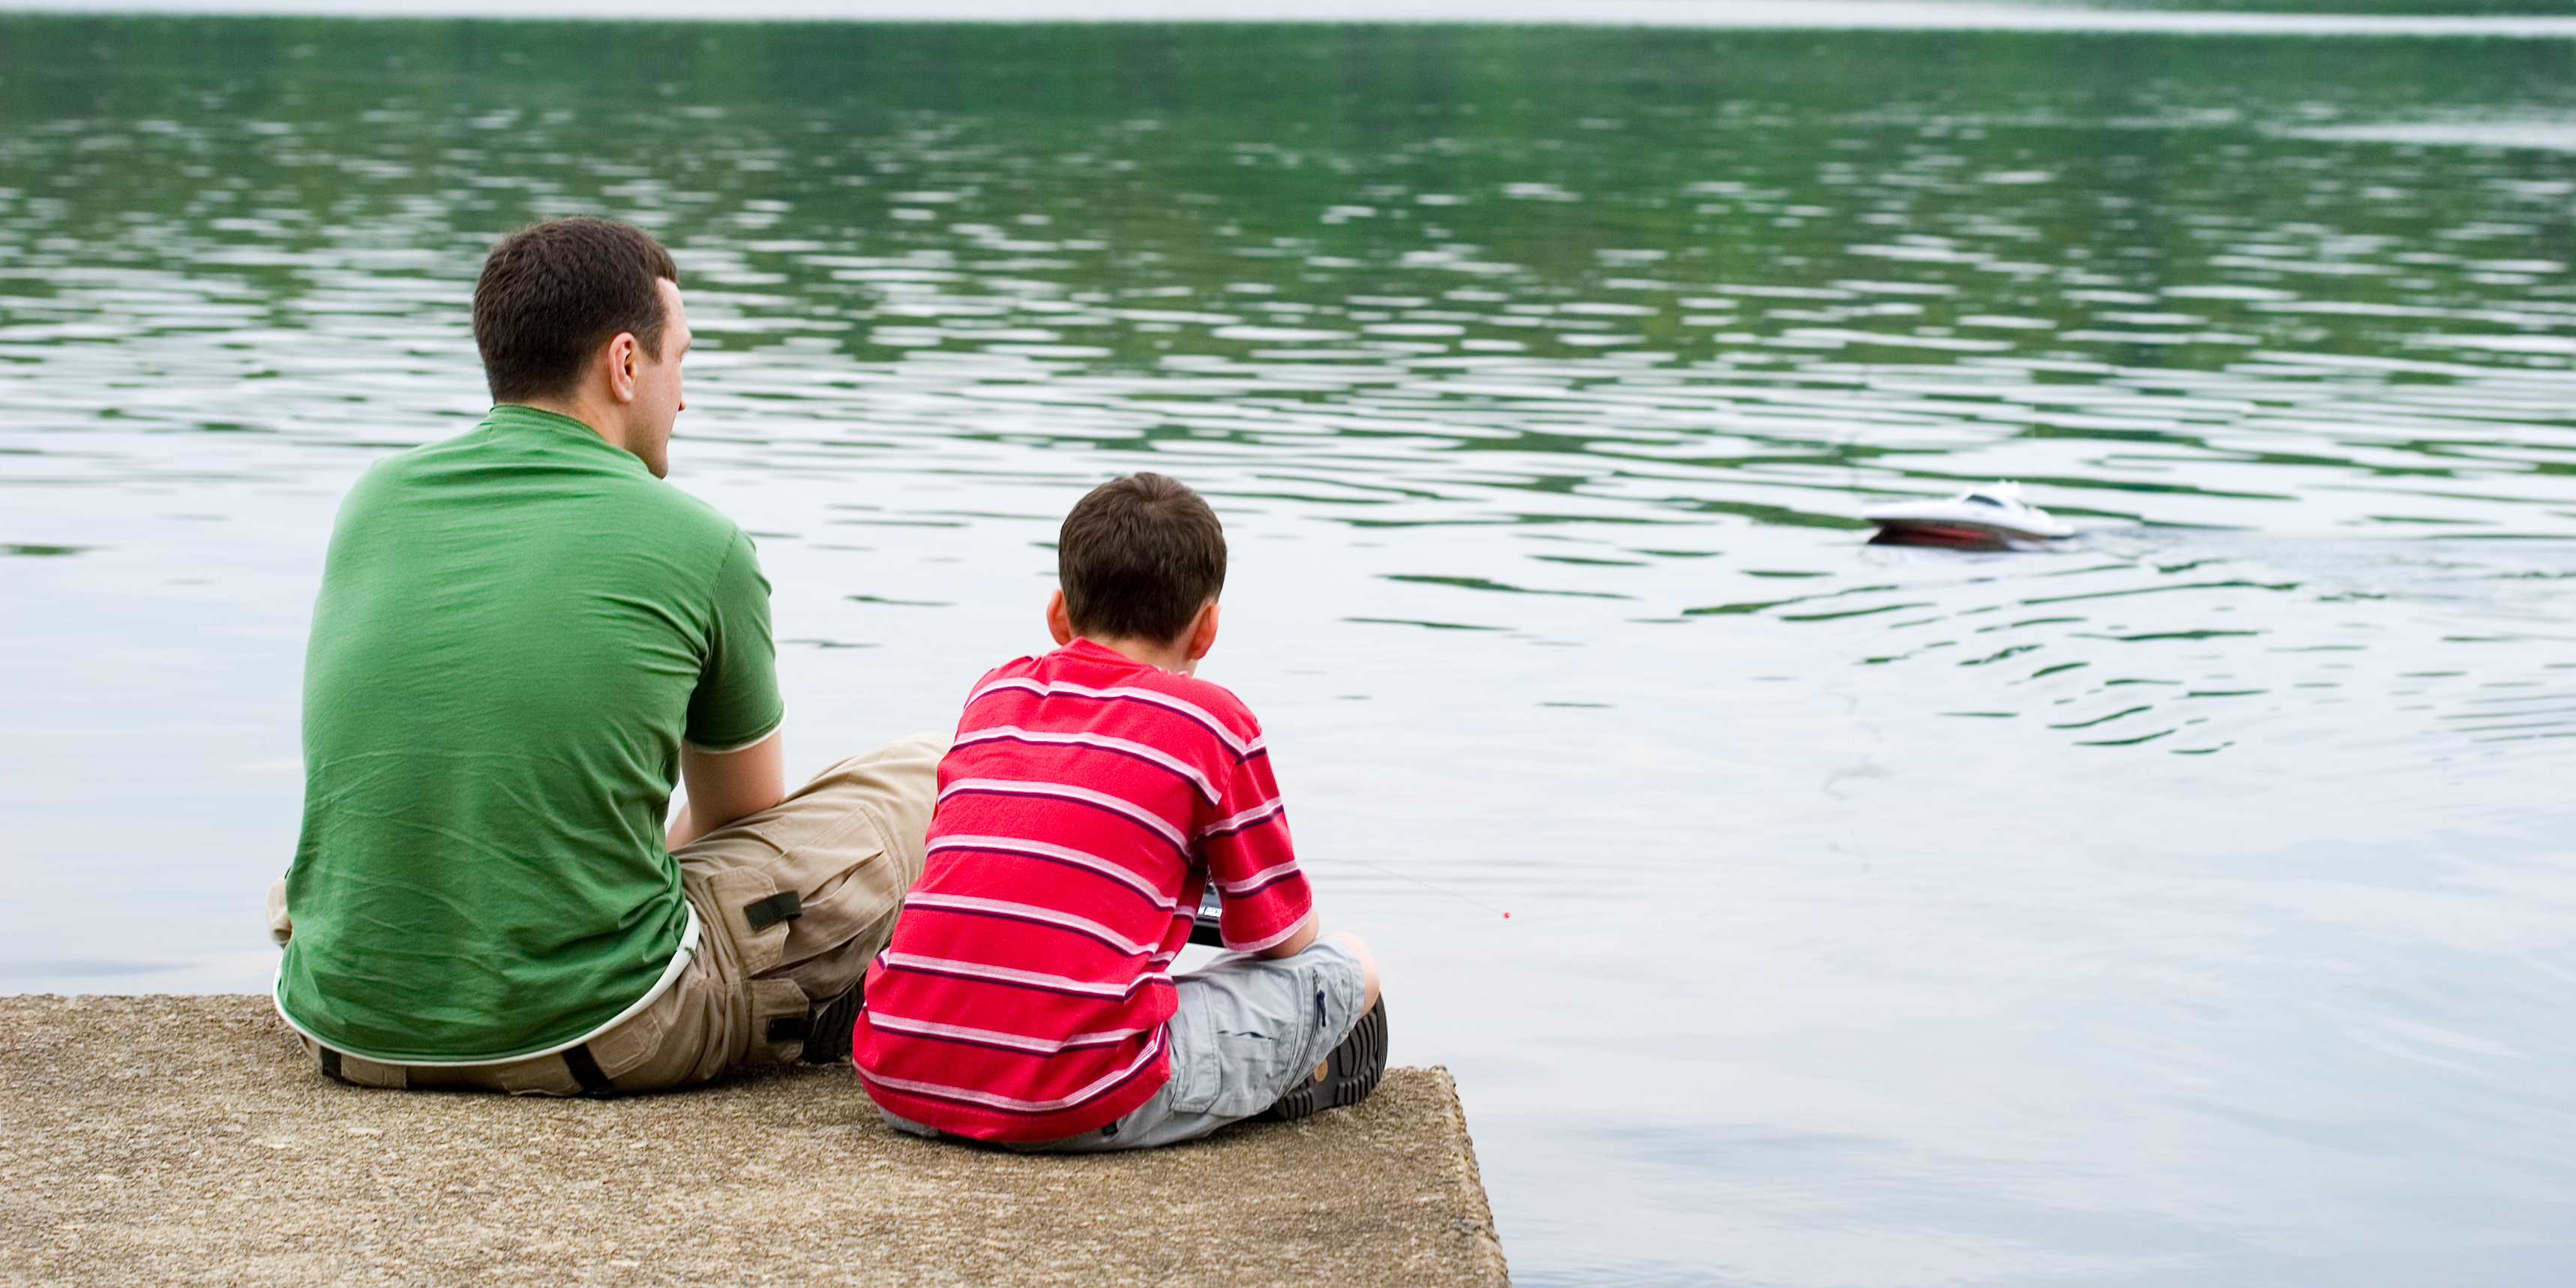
[1247, 1029]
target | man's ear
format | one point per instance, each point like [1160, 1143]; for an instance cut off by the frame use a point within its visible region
[621, 355]
[1059, 622]
[1202, 634]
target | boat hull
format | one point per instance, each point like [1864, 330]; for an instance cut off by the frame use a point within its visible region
[1952, 535]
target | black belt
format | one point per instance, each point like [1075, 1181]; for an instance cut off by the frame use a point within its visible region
[759, 914]
[585, 1070]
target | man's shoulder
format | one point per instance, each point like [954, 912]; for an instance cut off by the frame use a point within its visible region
[564, 471]
[699, 518]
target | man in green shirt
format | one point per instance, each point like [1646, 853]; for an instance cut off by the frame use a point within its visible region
[524, 640]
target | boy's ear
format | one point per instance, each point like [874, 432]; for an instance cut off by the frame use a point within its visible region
[1059, 622]
[1202, 633]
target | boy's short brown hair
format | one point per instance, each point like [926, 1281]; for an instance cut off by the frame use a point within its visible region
[1137, 557]
[552, 293]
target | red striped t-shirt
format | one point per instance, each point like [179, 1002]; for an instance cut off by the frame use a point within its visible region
[1086, 802]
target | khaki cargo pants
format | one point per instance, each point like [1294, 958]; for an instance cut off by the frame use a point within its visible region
[793, 901]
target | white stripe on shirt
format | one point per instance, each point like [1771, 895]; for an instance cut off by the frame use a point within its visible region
[1067, 791]
[1079, 858]
[1104, 1083]
[1105, 743]
[1238, 822]
[1259, 881]
[1007, 975]
[1015, 1041]
[1241, 746]
[1031, 912]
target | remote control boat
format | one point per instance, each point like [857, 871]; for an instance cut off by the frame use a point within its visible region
[1211, 910]
[1990, 517]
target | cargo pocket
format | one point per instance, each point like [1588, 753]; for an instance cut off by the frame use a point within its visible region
[1252, 1067]
[621, 1050]
[778, 1019]
[1196, 1066]
[543, 1076]
[358, 1071]
[852, 893]
[754, 913]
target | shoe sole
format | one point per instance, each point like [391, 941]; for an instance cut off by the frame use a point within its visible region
[1346, 1077]
[827, 1041]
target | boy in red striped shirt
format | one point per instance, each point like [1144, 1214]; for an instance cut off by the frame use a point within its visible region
[1027, 997]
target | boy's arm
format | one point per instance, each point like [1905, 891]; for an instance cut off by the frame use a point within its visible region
[1267, 909]
[1297, 941]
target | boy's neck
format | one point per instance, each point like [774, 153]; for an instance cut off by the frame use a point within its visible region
[1179, 655]
[1173, 656]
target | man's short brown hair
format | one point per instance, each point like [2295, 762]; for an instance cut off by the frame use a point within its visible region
[1137, 557]
[552, 293]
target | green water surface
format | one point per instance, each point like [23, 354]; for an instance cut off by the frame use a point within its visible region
[2182, 904]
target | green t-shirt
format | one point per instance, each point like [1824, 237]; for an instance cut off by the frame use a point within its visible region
[516, 630]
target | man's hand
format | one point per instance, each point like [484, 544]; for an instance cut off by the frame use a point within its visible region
[281, 927]
[727, 786]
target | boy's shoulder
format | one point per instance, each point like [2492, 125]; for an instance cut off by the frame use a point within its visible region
[1084, 671]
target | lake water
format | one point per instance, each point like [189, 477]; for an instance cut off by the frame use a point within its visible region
[2186, 904]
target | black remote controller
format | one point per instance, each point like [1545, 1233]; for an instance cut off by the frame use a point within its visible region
[1204, 930]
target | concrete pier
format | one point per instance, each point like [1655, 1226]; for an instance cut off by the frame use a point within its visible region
[185, 1140]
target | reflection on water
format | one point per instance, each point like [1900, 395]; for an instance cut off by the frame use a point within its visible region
[2175, 904]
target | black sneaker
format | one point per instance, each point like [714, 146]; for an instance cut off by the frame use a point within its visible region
[827, 1034]
[1346, 1077]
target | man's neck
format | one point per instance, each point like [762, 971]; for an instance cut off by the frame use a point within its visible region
[581, 409]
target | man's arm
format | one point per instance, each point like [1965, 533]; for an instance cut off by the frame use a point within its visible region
[728, 785]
